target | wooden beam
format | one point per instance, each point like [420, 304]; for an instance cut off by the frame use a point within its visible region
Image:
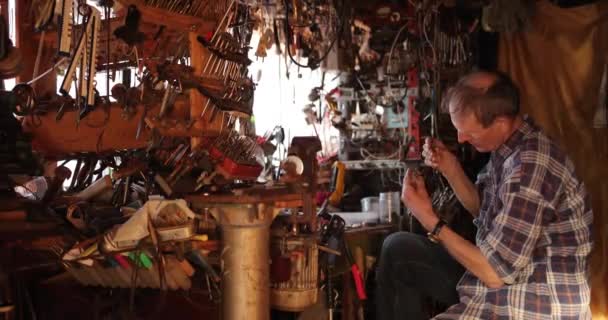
[106, 132]
[170, 19]
[98, 132]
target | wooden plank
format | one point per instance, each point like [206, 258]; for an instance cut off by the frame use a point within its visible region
[282, 197]
[14, 230]
[98, 132]
[179, 128]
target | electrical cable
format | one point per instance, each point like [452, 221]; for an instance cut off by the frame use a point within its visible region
[289, 35]
[390, 55]
[42, 75]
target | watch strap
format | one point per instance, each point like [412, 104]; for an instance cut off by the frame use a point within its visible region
[434, 234]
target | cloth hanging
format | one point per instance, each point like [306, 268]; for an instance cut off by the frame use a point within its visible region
[558, 64]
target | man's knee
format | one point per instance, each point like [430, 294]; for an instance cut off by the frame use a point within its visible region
[399, 249]
[404, 245]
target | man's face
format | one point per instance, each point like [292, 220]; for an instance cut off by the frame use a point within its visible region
[471, 131]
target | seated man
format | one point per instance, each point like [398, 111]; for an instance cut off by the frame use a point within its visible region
[532, 213]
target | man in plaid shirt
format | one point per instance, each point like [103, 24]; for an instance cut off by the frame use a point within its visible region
[533, 217]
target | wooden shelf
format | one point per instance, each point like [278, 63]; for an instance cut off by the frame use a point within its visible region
[170, 19]
[182, 128]
[281, 196]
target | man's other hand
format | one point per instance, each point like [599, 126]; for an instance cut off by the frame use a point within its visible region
[416, 198]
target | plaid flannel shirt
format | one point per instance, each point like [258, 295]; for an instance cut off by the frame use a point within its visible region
[534, 227]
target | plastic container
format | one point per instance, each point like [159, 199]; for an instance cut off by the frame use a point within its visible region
[370, 204]
[389, 207]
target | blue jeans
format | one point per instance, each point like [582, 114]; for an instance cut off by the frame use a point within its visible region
[412, 269]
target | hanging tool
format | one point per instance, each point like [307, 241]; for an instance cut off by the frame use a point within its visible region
[65, 24]
[85, 58]
[92, 62]
[129, 32]
[142, 122]
[165, 102]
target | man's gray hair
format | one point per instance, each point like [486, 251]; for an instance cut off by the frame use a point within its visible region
[499, 99]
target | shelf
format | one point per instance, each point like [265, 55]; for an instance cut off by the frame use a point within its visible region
[170, 19]
[374, 164]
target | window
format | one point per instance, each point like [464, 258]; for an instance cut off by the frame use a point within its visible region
[281, 93]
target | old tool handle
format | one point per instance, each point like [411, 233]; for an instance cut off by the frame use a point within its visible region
[357, 275]
[128, 171]
[358, 278]
[95, 188]
[337, 183]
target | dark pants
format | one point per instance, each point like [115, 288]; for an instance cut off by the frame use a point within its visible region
[411, 269]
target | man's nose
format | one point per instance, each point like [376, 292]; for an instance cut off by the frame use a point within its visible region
[462, 138]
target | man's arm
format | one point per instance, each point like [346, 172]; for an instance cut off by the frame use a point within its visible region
[470, 257]
[463, 187]
[466, 253]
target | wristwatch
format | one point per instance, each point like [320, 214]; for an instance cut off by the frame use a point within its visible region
[434, 234]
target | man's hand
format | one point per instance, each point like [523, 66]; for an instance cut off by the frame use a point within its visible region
[417, 199]
[437, 156]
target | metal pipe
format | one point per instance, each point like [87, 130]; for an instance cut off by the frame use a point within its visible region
[245, 257]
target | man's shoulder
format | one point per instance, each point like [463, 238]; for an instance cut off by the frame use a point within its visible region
[539, 147]
[540, 153]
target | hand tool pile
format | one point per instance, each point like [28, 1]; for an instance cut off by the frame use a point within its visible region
[167, 73]
[159, 246]
[227, 61]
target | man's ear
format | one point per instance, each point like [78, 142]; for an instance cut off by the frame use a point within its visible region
[502, 121]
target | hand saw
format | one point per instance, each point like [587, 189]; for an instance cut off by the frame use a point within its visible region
[65, 22]
[85, 57]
